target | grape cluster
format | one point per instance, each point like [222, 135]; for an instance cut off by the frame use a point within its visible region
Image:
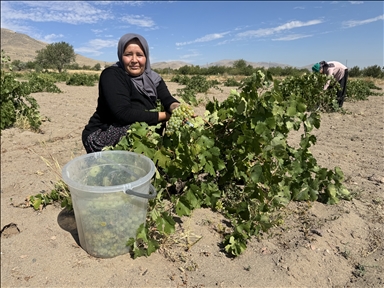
[180, 116]
[107, 221]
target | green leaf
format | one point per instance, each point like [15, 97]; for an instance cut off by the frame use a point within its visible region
[138, 253]
[339, 175]
[166, 223]
[241, 107]
[205, 142]
[289, 125]
[260, 128]
[36, 202]
[302, 194]
[271, 122]
[192, 200]
[141, 233]
[332, 190]
[182, 208]
[208, 167]
[256, 173]
[153, 245]
[141, 148]
[161, 159]
[291, 111]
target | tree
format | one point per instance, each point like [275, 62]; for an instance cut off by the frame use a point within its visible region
[18, 65]
[97, 67]
[240, 64]
[30, 65]
[373, 71]
[56, 56]
[354, 71]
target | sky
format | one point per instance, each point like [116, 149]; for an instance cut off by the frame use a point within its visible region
[295, 33]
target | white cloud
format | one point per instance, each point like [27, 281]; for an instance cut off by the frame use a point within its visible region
[94, 46]
[206, 38]
[354, 23]
[270, 31]
[356, 2]
[97, 31]
[140, 21]
[291, 37]
[52, 37]
[72, 12]
[191, 55]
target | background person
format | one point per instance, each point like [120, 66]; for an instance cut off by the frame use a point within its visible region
[127, 91]
[339, 72]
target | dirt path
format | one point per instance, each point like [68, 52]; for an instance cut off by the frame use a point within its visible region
[317, 246]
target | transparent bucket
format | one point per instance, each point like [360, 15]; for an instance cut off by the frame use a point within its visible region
[110, 192]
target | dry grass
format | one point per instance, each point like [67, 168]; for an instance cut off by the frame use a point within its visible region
[83, 72]
[22, 122]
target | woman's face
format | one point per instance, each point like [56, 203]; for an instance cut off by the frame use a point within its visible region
[134, 58]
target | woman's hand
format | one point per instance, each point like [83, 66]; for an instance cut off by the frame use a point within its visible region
[164, 116]
[173, 106]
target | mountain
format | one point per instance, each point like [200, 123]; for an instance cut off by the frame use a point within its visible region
[21, 47]
[229, 63]
[226, 63]
[170, 64]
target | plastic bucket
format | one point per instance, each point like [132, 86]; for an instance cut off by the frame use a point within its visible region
[110, 192]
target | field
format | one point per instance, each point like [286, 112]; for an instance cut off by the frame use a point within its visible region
[317, 245]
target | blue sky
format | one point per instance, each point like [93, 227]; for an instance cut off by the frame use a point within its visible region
[296, 33]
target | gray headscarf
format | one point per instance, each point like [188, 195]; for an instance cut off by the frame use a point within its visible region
[147, 82]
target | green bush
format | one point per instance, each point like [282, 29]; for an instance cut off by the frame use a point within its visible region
[310, 88]
[231, 82]
[16, 101]
[82, 79]
[43, 82]
[181, 79]
[359, 89]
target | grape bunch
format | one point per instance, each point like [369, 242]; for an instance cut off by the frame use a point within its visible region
[180, 116]
[107, 221]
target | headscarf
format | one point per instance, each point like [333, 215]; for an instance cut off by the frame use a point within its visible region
[147, 82]
[316, 67]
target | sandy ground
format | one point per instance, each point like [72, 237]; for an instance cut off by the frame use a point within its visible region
[317, 246]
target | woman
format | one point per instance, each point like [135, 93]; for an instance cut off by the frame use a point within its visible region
[339, 72]
[127, 91]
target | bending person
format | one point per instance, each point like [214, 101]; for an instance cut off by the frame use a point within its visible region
[339, 72]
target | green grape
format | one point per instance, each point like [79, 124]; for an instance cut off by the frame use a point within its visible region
[180, 115]
[109, 220]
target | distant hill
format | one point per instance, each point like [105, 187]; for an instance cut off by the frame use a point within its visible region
[226, 63]
[22, 47]
[229, 63]
[170, 64]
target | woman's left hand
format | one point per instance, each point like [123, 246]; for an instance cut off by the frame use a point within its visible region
[173, 106]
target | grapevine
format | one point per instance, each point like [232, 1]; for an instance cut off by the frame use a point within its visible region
[237, 161]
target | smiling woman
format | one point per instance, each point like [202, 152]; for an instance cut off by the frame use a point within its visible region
[128, 91]
[134, 59]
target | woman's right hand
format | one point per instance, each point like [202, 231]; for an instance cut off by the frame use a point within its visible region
[164, 116]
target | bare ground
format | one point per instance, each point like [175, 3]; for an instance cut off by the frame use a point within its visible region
[317, 246]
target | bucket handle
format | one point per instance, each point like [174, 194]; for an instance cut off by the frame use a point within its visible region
[147, 196]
